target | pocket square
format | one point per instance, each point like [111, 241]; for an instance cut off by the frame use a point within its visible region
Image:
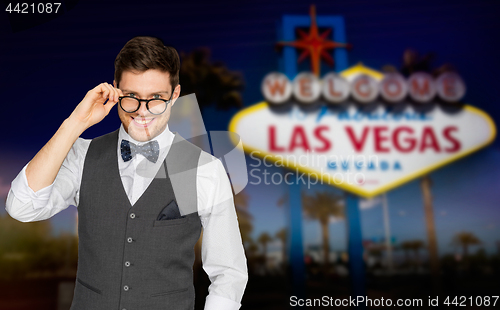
[170, 212]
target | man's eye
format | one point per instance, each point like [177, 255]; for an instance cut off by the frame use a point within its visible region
[131, 95]
[157, 96]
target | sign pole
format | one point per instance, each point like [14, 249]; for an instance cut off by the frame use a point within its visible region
[355, 248]
[387, 228]
[425, 184]
[295, 244]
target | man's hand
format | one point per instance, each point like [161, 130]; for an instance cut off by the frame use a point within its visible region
[92, 109]
[43, 168]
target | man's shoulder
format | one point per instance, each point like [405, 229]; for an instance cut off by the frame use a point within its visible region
[202, 157]
[102, 144]
[188, 146]
[106, 137]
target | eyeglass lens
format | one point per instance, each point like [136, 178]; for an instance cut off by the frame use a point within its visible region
[132, 104]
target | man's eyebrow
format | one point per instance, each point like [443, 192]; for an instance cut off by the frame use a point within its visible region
[132, 91]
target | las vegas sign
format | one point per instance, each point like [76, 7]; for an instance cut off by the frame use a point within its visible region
[327, 135]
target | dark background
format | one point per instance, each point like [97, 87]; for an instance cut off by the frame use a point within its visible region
[48, 64]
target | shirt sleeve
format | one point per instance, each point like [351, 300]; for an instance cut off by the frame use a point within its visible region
[26, 205]
[222, 251]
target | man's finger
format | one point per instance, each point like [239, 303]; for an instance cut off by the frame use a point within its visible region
[113, 95]
[105, 93]
[117, 94]
[110, 92]
[108, 106]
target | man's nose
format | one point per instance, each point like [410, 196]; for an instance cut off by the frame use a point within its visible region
[143, 110]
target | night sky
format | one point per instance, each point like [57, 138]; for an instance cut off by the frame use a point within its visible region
[47, 70]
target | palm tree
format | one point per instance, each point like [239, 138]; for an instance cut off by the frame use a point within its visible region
[264, 239]
[406, 247]
[282, 235]
[321, 206]
[465, 239]
[30, 249]
[416, 245]
[425, 185]
[251, 248]
[412, 245]
[413, 62]
[212, 82]
[244, 217]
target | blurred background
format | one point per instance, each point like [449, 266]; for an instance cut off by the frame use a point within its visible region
[49, 62]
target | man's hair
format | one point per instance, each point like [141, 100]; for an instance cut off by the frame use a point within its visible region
[143, 53]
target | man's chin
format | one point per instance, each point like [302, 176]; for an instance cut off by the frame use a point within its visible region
[141, 136]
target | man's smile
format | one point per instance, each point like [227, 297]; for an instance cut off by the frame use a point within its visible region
[142, 122]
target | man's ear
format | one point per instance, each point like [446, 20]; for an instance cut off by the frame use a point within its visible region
[177, 93]
[114, 84]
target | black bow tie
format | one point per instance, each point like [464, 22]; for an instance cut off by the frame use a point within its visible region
[150, 150]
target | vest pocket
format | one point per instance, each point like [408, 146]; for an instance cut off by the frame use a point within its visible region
[169, 292]
[179, 221]
[90, 287]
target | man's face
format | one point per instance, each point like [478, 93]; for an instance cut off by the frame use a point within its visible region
[142, 125]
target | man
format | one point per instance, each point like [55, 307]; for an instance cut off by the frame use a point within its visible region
[137, 229]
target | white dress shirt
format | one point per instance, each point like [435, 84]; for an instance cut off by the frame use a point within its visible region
[223, 255]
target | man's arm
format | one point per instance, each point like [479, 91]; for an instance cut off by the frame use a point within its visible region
[43, 168]
[32, 187]
[25, 205]
[223, 255]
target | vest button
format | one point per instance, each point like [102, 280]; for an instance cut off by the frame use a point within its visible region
[127, 264]
[129, 239]
[132, 215]
[125, 288]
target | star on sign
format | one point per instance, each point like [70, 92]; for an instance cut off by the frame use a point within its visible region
[314, 45]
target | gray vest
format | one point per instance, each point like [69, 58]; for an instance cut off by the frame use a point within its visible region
[127, 259]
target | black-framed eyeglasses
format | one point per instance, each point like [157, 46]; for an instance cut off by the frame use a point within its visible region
[155, 106]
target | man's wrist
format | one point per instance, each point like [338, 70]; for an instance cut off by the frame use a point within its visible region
[216, 302]
[74, 126]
